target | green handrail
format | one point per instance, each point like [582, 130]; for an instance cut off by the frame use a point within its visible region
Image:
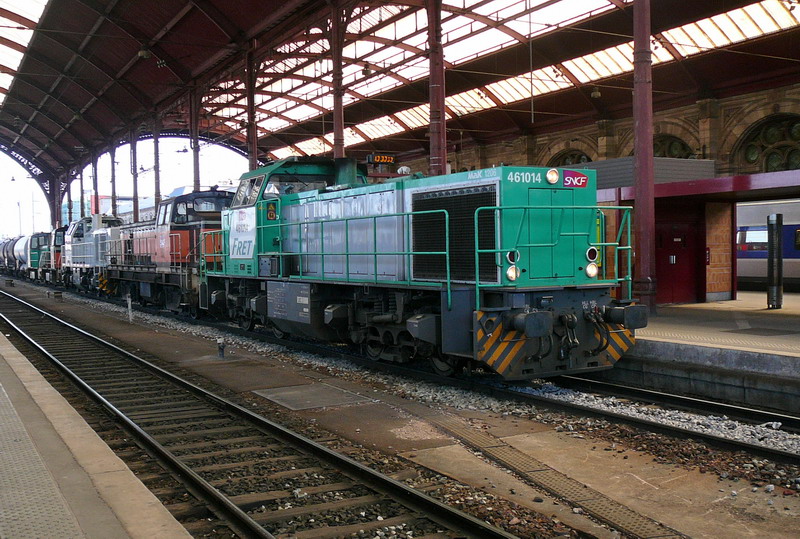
[375, 254]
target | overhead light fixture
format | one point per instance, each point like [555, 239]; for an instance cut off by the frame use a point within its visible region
[367, 71]
[595, 93]
[145, 53]
[13, 179]
[161, 63]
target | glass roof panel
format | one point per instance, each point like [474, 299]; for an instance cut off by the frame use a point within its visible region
[273, 124]
[415, 117]
[17, 33]
[545, 16]
[313, 146]
[283, 153]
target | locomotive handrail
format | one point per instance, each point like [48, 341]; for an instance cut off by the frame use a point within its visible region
[407, 253]
[618, 248]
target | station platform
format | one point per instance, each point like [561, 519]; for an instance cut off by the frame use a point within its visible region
[57, 477]
[737, 351]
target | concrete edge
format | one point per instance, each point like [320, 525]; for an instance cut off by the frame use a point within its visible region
[741, 360]
[138, 510]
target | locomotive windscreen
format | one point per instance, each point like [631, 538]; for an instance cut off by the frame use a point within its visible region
[429, 233]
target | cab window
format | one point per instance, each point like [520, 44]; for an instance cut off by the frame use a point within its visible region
[163, 213]
[797, 239]
[180, 213]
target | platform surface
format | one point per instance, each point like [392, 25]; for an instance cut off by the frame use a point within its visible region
[742, 324]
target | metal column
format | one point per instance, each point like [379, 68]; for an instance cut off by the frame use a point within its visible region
[69, 204]
[194, 127]
[156, 162]
[250, 89]
[83, 201]
[95, 205]
[437, 129]
[644, 283]
[135, 174]
[336, 40]
[112, 152]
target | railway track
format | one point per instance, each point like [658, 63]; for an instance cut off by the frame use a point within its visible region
[492, 385]
[259, 478]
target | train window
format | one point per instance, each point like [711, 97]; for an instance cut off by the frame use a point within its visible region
[210, 204]
[247, 193]
[290, 183]
[164, 213]
[797, 239]
[753, 240]
[257, 183]
[59, 240]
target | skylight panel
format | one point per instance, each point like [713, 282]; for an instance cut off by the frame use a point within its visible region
[313, 146]
[680, 40]
[12, 31]
[781, 14]
[476, 45]
[283, 153]
[762, 19]
[511, 90]
[746, 23]
[351, 138]
[301, 112]
[380, 127]
[469, 102]
[273, 124]
[714, 34]
[415, 117]
[729, 28]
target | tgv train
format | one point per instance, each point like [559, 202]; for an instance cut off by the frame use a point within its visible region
[751, 243]
[505, 268]
[515, 270]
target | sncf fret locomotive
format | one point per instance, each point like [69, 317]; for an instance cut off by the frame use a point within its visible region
[515, 270]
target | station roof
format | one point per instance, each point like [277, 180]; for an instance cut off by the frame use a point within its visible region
[79, 75]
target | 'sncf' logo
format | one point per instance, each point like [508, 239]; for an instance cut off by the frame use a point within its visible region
[575, 179]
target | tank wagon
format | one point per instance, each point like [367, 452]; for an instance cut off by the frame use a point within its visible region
[505, 268]
[156, 261]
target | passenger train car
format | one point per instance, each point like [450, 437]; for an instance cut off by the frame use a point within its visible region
[504, 268]
[751, 243]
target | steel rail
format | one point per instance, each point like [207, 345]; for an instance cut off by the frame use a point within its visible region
[507, 391]
[754, 415]
[433, 509]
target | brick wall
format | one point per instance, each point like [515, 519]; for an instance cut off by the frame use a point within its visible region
[719, 237]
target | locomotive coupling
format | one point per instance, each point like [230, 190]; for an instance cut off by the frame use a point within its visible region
[533, 324]
[630, 316]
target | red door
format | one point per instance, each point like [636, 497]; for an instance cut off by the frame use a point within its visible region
[677, 262]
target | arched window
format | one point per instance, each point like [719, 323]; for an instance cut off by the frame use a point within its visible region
[671, 146]
[771, 145]
[569, 158]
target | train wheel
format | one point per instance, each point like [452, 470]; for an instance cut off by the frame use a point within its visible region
[445, 365]
[279, 334]
[246, 322]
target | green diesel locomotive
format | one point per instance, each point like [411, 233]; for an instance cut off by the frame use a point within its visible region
[515, 270]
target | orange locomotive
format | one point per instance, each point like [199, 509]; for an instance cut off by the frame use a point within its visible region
[156, 261]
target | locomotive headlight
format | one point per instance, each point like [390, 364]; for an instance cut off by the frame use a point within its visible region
[591, 254]
[512, 273]
[591, 270]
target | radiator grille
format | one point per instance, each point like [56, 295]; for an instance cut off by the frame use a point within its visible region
[429, 229]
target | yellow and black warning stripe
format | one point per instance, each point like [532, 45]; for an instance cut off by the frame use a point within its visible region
[620, 341]
[495, 346]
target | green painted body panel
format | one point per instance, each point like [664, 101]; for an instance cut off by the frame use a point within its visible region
[546, 219]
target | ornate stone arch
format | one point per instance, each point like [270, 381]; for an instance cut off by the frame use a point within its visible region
[671, 133]
[568, 158]
[552, 149]
[769, 145]
[738, 120]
